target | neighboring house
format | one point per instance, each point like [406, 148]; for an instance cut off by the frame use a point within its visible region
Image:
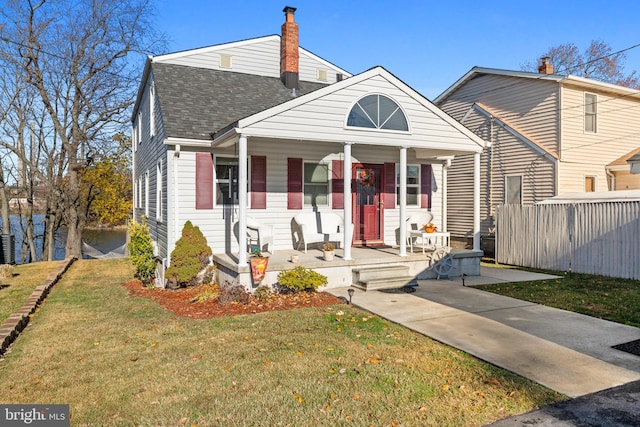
[546, 134]
[634, 162]
[263, 128]
[621, 172]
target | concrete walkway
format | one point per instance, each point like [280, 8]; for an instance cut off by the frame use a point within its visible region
[564, 351]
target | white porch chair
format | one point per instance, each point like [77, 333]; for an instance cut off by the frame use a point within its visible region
[258, 234]
[415, 223]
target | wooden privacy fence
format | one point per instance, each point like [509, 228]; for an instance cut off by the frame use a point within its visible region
[594, 238]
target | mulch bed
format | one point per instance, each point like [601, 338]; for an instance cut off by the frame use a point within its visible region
[179, 301]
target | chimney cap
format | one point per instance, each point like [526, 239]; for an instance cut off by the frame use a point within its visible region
[289, 9]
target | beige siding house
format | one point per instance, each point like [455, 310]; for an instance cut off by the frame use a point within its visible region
[546, 134]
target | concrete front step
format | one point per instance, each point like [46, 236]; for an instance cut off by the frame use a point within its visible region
[378, 278]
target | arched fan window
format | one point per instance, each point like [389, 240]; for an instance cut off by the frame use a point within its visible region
[377, 112]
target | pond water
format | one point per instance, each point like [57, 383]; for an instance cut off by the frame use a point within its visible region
[102, 239]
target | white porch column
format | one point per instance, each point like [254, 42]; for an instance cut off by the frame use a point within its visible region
[403, 201]
[348, 211]
[242, 201]
[476, 202]
[445, 169]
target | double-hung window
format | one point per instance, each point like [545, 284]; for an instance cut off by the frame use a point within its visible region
[226, 180]
[316, 184]
[590, 113]
[413, 185]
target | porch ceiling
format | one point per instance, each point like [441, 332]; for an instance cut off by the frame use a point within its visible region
[421, 152]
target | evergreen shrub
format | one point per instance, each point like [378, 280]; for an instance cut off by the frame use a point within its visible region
[141, 249]
[190, 256]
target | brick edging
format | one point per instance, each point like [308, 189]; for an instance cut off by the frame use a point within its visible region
[16, 322]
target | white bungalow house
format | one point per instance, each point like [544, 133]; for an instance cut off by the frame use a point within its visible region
[261, 130]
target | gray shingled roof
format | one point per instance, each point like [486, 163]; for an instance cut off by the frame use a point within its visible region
[196, 101]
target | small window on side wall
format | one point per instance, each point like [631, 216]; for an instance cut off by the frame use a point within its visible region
[590, 113]
[513, 190]
[590, 183]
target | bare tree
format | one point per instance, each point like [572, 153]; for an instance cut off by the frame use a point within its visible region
[76, 55]
[598, 62]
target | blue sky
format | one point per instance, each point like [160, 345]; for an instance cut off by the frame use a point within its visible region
[427, 44]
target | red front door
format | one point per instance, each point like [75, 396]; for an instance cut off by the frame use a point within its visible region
[367, 206]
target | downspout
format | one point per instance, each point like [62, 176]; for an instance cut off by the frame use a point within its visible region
[476, 202]
[176, 213]
[612, 179]
[490, 179]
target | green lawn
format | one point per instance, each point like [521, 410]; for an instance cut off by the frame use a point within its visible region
[607, 298]
[15, 291]
[119, 360]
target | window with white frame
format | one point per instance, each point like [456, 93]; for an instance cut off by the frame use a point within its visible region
[139, 193]
[377, 112]
[513, 190]
[139, 127]
[590, 112]
[316, 184]
[146, 193]
[413, 185]
[159, 191]
[226, 169]
[134, 136]
[590, 183]
[152, 108]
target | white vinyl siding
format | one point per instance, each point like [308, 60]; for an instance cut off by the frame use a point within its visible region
[213, 223]
[260, 57]
[324, 119]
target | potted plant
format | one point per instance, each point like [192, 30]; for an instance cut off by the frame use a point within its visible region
[328, 251]
[258, 265]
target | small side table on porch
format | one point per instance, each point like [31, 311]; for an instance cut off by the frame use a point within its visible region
[430, 240]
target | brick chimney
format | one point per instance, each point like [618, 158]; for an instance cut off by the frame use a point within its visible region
[289, 57]
[545, 67]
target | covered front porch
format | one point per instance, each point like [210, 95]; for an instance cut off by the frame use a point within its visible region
[370, 267]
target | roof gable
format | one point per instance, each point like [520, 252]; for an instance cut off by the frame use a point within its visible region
[589, 84]
[196, 102]
[321, 115]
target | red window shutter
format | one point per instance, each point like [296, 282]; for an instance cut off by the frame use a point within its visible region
[294, 183]
[204, 181]
[425, 186]
[337, 184]
[389, 193]
[258, 182]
